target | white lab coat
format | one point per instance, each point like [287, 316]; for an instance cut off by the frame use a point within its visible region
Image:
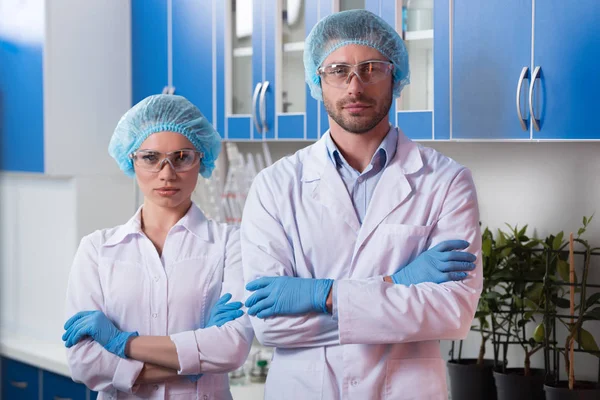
[299, 221]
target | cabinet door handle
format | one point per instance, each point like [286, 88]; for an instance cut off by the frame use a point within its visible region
[534, 77]
[263, 107]
[524, 75]
[19, 385]
[254, 101]
[62, 398]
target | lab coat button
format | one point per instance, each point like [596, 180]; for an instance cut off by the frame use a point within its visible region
[156, 278]
[154, 315]
[205, 397]
[360, 179]
[354, 382]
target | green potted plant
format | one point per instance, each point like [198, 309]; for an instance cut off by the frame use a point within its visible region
[472, 378]
[587, 310]
[523, 306]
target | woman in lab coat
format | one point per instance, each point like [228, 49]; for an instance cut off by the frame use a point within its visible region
[147, 301]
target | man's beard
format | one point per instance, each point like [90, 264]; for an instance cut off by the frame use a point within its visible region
[358, 125]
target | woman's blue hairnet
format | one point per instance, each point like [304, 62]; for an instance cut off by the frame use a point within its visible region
[360, 27]
[159, 113]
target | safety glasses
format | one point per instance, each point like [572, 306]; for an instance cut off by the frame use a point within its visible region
[153, 161]
[368, 72]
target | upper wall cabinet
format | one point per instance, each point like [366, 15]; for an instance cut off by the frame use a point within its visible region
[261, 93]
[172, 51]
[533, 79]
[64, 83]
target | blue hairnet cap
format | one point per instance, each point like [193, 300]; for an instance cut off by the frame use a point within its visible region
[360, 27]
[160, 113]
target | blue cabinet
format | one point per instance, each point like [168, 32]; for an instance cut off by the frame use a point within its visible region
[533, 79]
[60, 387]
[567, 52]
[172, 51]
[149, 45]
[488, 58]
[19, 381]
[22, 381]
[22, 92]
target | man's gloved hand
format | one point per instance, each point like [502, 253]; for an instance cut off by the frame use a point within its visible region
[97, 326]
[281, 295]
[438, 264]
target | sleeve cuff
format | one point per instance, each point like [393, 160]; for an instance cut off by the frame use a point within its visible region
[126, 374]
[334, 308]
[187, 353]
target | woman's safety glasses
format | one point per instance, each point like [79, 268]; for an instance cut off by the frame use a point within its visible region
[153, 161]
[368, 72]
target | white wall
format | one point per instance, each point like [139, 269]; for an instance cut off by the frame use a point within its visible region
[549, 186]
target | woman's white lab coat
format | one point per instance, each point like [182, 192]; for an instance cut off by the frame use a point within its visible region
[119, 272]
[299, 221]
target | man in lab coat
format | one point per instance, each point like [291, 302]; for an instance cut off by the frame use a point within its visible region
[361, 251]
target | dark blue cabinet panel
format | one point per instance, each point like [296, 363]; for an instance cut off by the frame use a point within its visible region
[21, 104]
[19, 381]
[567, 49]
[192, 53]
[149, 44]
[58, 386]
[491, 45]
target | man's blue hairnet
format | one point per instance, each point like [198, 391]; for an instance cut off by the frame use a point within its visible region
[360, 27]
[159, 113]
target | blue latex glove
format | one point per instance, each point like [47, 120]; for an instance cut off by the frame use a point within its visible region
[281, 295]
[221, 313]
[438, 264]
[97, 326]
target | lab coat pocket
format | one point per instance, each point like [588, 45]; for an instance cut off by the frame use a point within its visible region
[406, 230]
[401, 244]
[295, 375]
[416, 378]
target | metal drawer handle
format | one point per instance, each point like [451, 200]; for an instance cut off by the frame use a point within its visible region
[263, 107]
[524, 75]
[534, 77]
[19, 385]
[62, 398]
[254, 100]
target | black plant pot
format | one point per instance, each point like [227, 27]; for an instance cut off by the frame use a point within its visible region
[514, 385]
[469, 381]
[583, 391]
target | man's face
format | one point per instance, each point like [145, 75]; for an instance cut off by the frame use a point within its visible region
[359, 107]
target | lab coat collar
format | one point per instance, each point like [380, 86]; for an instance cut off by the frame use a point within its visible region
[194, 221]
[407, 157]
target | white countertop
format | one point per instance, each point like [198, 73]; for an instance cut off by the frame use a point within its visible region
[51, 356]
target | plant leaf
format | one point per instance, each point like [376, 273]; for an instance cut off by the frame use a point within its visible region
[562, 303]
[563, 270]
[585, 221]
[486, 247]
[587, 340]
[594, 314]
[581, 231]
[558, 241]
[593, 299]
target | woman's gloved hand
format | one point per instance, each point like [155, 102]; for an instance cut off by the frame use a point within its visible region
[98, 327]
[221, 313]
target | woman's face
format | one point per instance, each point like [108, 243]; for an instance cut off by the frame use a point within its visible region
[167, 187]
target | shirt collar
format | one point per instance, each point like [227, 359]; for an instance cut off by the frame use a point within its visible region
[387, 149]
[193, 221]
